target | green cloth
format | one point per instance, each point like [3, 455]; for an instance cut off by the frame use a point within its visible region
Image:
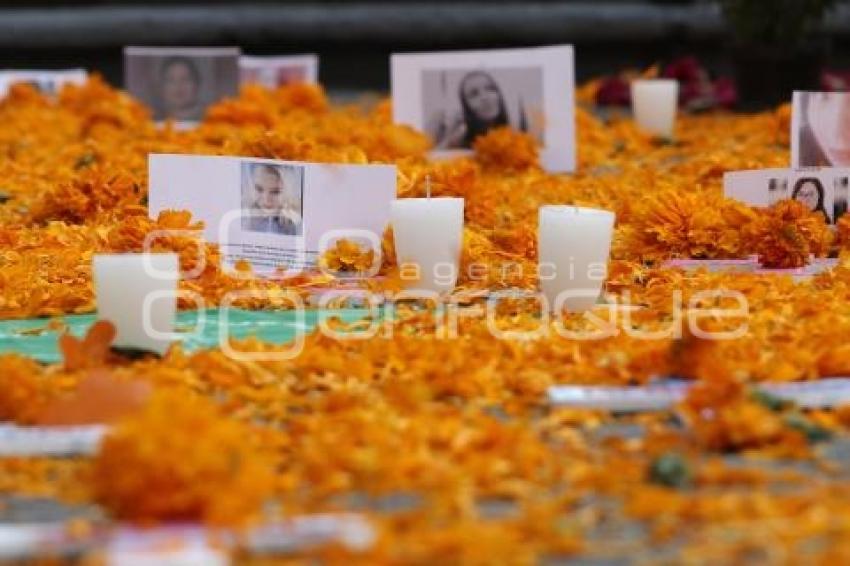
[276, 327]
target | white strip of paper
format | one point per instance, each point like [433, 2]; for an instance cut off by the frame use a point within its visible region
[823, 393]
[19, 541]
[191, 545]
[24, 441]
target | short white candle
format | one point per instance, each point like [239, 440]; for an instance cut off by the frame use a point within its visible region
[654, 104]
[573, 248]
[428, 234]
[122, 282]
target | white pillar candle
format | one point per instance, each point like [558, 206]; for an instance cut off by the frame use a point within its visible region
[654, 104]
[573, 246]
[428, 234]
[122, 284]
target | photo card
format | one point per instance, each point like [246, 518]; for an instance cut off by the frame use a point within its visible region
[275, 71]
[820, 129]
[275, 214]
[456, 96]
[48, 82]
[180, 83]
[823, 189]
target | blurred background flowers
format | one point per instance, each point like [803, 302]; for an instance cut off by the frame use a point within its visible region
[767, 48]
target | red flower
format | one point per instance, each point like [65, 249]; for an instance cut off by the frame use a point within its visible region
[614, 91]
[725, 92]
[835, 80]
[685, 70]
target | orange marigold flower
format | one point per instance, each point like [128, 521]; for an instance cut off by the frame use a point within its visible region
[95, 191]
[508, 150]
[254, 107]
[789, 233]
[23, 390]
[98, 104]
[181, 459]
[347, 256]
[302, 96]
[684, 224]
[783, 124]
[459, 178]
[725, 416]
[25, 94]
[842, 232]
[521, 241]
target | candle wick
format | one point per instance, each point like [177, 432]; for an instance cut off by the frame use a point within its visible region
[428, 186]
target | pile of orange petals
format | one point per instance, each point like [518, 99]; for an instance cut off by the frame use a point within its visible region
[181, 459]
[442, 410]
[507, 150]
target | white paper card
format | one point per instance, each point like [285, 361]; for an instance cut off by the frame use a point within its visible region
[715, 265]
[275, 214]
[275, 71]
[190, 545]
[823, 393]
[25, 541]
[298, 533]
[18, 440]
[48, 82]
[166, 546]
[824, 189]
[820, 129]
[455, 96]
[654, 397]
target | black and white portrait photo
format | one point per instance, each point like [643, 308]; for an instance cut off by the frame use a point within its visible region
[810, 192]
[820, 129]
[456, 96]
[272, 198]
[462, 104]
[179, 84]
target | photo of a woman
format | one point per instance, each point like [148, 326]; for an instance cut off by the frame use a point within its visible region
[809, 191]
[483, 105]
[179, 82]
[272, 198]
[464, 104]
[823, 136]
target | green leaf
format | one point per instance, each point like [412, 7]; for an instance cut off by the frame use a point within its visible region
[85, 160]
[813, 432]
[670, 470]
[770, 401]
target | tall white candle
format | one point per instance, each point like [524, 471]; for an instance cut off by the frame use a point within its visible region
[654, 104]
[573, 248]
[123, 282]
[428, 234]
